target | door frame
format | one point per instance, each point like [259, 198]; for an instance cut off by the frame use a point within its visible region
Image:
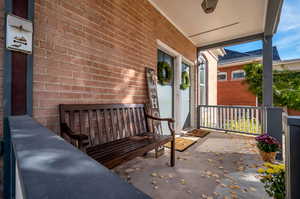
[178, 59]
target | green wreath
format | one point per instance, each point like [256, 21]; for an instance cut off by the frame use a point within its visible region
[164, 73]
[185, 80]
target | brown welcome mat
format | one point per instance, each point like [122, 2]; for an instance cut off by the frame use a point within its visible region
[198, 133]
[181, 144]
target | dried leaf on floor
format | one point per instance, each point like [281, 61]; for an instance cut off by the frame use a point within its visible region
[155, 187]
[234, 187]
[153, 182]
[183, 182]
[129, 170]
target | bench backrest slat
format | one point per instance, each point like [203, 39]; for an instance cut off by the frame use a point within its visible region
[104, 123]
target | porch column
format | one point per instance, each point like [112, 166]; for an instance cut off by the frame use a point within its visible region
[17, 90]
[272, 116]
[177, 93]
[267, 71]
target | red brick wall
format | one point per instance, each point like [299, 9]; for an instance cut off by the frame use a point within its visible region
[293, 112]
[96, 51]
[234, 92]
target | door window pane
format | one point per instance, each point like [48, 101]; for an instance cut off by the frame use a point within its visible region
[165, 92]
[202, 75]
[185, 101]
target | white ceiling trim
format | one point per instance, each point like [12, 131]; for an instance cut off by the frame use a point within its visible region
[172, 22]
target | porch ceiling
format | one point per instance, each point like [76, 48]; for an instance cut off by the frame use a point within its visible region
[232, 19]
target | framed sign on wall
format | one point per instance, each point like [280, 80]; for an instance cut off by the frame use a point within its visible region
[19, 33]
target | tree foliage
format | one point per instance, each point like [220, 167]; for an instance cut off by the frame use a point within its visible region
[286, 85]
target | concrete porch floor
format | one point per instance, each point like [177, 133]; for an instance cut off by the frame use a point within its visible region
[219, 166]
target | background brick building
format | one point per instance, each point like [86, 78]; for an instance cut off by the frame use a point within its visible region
[232, 90]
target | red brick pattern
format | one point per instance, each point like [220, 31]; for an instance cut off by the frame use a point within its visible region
[96, 51]
[234, 92]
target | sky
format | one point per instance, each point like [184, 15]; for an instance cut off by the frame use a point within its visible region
[287, 38]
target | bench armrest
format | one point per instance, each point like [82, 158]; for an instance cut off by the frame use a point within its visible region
[78, 140]
[169, 120]
[78, 137]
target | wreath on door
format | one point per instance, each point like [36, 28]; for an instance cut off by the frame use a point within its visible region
[185, 78]
[164, 73]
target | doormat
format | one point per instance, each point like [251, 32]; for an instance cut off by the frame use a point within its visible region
[181, 144]
[198, 133]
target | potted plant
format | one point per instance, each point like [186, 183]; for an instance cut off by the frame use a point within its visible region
[268, 146]
[272, 175]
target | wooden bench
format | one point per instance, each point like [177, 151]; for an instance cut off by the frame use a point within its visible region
[112, 133]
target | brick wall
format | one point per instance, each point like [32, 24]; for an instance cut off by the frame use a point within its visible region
[96, 51]
[234, 92]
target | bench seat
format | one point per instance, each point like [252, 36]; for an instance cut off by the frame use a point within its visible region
[113, 133]
[114, 153]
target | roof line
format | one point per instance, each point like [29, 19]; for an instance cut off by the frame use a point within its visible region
[249, 38]
[273, 16]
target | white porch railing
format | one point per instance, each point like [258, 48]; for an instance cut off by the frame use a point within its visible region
[240, 119]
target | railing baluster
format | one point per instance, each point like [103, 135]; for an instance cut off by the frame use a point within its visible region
[224, 118]
[252, 129]
[211, 121]
[228, 124]
[206, 112]
[242, 119]
[214, 116]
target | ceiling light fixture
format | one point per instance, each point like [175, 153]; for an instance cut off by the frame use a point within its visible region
[209, 5]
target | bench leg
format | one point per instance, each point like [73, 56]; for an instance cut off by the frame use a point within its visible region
[172, 160]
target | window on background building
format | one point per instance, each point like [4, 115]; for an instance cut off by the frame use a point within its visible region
[238, 74]
[202, 79]
[222, 76]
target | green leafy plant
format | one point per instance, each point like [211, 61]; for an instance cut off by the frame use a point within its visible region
[286, 85]
[244, 125]
[273, 177]
[164, 73]
[185, 76]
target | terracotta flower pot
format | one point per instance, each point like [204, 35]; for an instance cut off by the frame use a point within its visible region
[267, 156]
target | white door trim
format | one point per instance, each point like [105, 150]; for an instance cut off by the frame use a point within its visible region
[177, 81]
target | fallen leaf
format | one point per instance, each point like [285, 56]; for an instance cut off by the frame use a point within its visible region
[216, 194]
[234, 187]
[153, 182]
[129, 170]
[252, 189]
[170, 175]
[182, 181]
[216, 175]
[208, 173]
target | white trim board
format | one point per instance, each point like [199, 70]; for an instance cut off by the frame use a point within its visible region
[179, 58]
